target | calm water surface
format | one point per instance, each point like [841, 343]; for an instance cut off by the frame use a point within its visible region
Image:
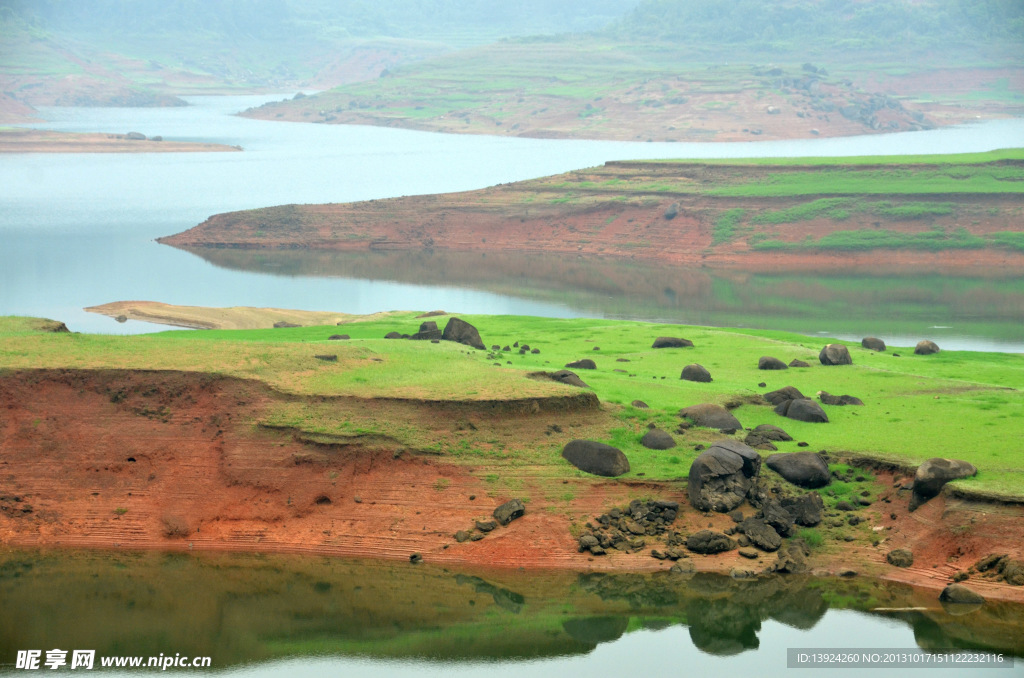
[78, 230]
[273, 615]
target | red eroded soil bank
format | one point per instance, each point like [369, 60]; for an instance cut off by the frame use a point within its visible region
[529, 217]
[171, 460]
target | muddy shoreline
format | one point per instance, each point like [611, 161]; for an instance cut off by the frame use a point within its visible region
[136, 460]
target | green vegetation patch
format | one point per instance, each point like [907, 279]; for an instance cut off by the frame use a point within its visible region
[951, 404]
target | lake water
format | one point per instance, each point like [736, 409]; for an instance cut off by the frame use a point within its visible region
[257, 615]
[79, 230]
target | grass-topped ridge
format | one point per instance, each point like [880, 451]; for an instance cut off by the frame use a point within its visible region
[952, 404]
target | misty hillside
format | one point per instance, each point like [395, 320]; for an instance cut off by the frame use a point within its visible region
[895, 25]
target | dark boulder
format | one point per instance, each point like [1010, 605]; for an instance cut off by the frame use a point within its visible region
[926, 348]
[656, 439]
[696, 373]
[428, 330]
[900, 557]
[806, 509]
[933, 474]
[783, 394]
[770, 432]
[760, 534]
[509, 511]
[671, 342]
[672, 211]
[829, 399]
[327, 357]
[338, 337]
[872, 343]
[639, 404]
[804, 469]
[393, 335]
[561, 376]
[597, 458]
[722, 475]
[802, 410]
[460, 331]
[778, 517]
[958, 593]
[798, 363]
[707, 542]
[710, 415]
[792, 558]
[584, 364]
[767, 362]
[835, 354]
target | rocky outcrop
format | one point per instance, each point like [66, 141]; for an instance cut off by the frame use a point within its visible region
[804, 469]
[722, 475]
[561, 376]
[596, 458]
[461, 332]
[835, 354]
[807, 509]
[933, 474]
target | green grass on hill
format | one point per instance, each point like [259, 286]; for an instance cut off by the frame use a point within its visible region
[953, 404]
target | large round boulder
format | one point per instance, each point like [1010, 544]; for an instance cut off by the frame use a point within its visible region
[802, 409]
[835, 354]
[933, 474]
[671, 342]
[958, 593]
[926, 347]
[462, 332]
[767, 362]
[804, 469]
[696, 373]
[806, 509]
[597, 458]
[710, 415]
[722, 475]
[428, 331]
[872, 343]
[584, 364]
[656, 439]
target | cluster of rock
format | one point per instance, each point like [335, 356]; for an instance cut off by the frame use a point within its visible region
[456, 330]
[503, 515]
[1001, 566]
[625, 529]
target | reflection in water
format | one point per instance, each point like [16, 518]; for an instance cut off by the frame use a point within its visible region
[957, 311]
[251, 608]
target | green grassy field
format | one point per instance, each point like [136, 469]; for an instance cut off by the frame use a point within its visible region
[953, 404]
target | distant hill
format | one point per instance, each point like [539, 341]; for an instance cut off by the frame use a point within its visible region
[135, 52]
[896, 25]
